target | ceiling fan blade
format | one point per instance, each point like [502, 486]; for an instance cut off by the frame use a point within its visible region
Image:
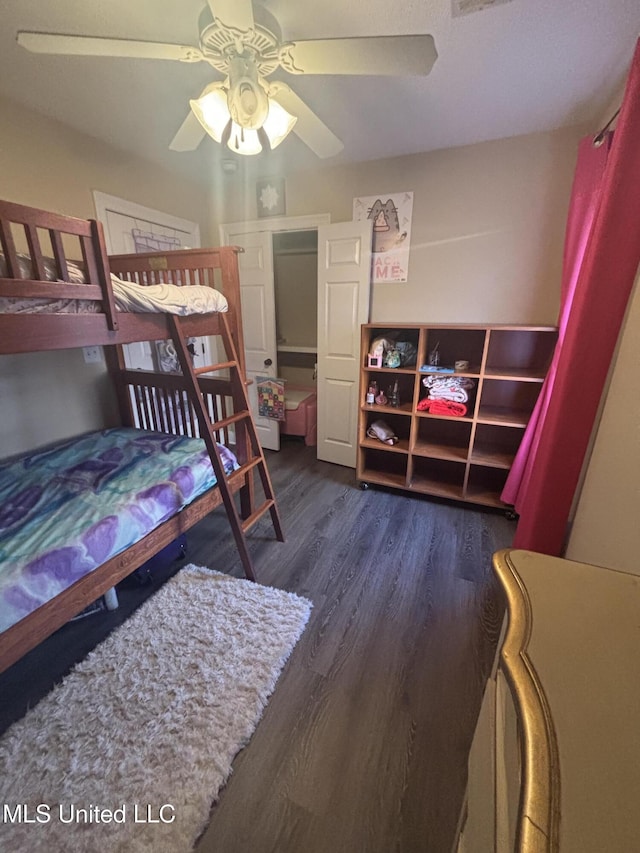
[311, 129]
[189, 136]
[378, 55]
[233, 14]
[68, 45]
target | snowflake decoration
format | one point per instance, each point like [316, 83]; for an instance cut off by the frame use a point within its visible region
[269, 197]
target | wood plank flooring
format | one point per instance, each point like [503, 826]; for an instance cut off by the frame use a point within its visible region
[363, 746]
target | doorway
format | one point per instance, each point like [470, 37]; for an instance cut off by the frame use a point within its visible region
[343, 292]
[295, 280]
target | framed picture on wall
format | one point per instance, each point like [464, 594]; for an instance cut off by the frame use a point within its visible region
[270, 197]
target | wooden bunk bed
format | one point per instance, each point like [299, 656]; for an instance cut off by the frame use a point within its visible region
[196, 404]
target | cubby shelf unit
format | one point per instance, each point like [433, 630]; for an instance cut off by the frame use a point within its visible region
[463, 458]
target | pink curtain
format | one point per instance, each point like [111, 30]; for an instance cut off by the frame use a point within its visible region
[585, 196]
[602, 253]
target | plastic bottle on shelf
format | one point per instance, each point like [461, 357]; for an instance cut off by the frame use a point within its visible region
[372, 393]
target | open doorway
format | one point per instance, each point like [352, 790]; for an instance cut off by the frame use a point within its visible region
[295, 274]
[342, 274]
[295, 280]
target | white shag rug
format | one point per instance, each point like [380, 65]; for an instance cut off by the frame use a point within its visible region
[129, 751]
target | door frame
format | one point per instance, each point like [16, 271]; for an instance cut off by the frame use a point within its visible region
[274, 224]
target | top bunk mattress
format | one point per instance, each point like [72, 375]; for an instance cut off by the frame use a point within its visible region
[128, 295]
[65, 510]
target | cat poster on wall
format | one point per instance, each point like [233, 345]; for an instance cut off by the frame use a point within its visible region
[391, 215]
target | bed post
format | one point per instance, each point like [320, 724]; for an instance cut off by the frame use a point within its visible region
[229, 264]
[103, 271]
[114, 358]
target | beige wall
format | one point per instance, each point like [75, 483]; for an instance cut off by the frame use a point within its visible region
[487, 231]
[46, 396]
[606, 530]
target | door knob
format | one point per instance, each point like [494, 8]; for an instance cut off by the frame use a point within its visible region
[268, 362]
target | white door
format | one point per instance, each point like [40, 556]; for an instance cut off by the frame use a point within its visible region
[344, 276]
[257, 298]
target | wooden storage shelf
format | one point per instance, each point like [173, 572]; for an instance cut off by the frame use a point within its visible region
[514, 373]
[437, 488]
[461, 458]
[384, 478]
[440, 451]
[388, 370]
[401, 447]
[473, 371]
[503, 415]
[403, 409]
[440, 438]
[492, 458]
[454, 418]
[438, 477]
[485, 484]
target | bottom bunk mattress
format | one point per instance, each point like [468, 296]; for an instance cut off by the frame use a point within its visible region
[65, 510]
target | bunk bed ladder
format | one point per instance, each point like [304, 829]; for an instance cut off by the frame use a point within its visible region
[249, 450]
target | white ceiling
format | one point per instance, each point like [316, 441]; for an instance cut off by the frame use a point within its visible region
[515, 67]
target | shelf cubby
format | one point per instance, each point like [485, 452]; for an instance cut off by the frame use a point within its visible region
[401, 426]
[508, 395]
[442, 439]
[485, 484]
[522, 353]
[470, 402]
[455, 344]
[385, 379]
[495, 446]
[382, 467]
[438, 477]
[463, 458]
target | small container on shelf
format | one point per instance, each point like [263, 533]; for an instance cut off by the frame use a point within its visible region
[394, 395]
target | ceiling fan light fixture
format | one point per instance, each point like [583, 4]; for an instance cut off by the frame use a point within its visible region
[212, 111]
[278, 124]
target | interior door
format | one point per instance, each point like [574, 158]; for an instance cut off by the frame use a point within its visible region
[344, 276]
[257, 297]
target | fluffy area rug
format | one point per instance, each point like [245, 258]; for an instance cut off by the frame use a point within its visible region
[129, 751]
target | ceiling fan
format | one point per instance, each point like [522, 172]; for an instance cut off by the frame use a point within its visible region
[244, 110]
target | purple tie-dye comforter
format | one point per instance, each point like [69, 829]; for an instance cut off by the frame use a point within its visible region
[66, 510]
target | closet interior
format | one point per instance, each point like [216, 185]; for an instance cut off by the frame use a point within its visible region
[295, 271]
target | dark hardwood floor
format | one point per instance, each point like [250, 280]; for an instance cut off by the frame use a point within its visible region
[363, 746]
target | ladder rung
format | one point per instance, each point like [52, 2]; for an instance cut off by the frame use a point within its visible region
[210, 368]
[249, 522]
[244, 469]
[232, 419]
